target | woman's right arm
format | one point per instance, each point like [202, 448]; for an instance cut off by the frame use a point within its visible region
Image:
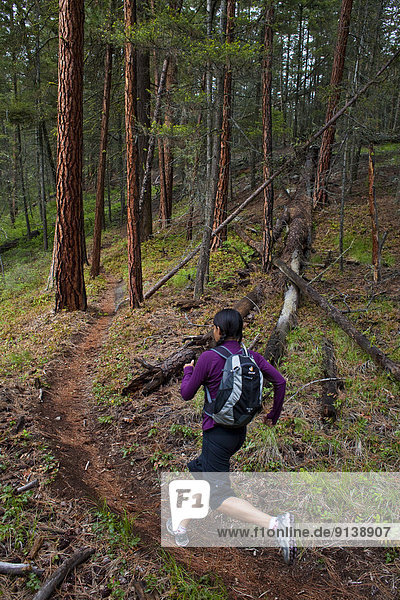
[194, 377]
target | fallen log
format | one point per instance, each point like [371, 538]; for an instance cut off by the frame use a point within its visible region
[296, 244]
[7, 568]
[281, 222]
[294, 251]
[287, 319]
[156, 375]
[14, 243]
[332, 383]
[61, 573]
[375, 353]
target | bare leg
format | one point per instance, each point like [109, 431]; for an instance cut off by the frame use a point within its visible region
[241, 510]
[244, 511]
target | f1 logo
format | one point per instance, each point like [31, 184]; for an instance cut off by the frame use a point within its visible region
[189, 499]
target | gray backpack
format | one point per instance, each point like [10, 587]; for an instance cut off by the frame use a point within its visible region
[239, 396]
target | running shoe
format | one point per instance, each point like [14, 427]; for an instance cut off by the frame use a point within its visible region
[285, 537]
[181, 537]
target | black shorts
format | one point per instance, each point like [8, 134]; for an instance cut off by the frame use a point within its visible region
[219, 444]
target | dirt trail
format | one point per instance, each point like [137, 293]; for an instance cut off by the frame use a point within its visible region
[67, 416]
[68, 419]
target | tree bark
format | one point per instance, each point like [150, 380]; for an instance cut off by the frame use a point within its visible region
[69, 278]
[7, 568]
[295, 248]
[267, 135]
[375, 353]
[321, 193]
[287, 319]
[101, 170]
[221, 200]
[132, 175]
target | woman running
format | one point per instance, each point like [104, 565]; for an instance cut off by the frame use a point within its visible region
[219, 442]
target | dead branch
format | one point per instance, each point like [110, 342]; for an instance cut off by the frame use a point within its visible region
[61, 573]
[27, 487]
[376, 354]
[152, 378]
[19, 569]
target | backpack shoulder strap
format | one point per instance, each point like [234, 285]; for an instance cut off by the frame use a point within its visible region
[222, 351]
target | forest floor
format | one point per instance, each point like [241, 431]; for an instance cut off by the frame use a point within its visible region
[99, 456]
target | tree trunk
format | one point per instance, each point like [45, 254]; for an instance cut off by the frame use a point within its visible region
[299, 71]
[321, 193]
[332, 386]
[42, 187]
[160, 84]
[22, 180]
[376, 259]
[342, 205]
[295, 248]
[143, 107]
[168, 154]
[14, 184]
[377, 355]
[267, 135]
[221, 200]
[70, 283]
[101, 171]
[208, 215]
[287, 319]
[132, 171]
[49, 153]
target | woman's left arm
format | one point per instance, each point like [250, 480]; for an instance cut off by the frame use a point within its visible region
[279, 383]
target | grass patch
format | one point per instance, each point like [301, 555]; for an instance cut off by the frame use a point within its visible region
[117, 529]
[179, 584]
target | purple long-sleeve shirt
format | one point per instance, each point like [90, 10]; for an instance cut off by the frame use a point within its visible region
[208, 371]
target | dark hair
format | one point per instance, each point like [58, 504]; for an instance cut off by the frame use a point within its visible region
[230, 323]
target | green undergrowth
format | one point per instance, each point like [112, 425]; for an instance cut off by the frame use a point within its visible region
[175, 581]
[118, 530]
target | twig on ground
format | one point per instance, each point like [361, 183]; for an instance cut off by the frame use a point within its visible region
[61, 573]
[311, 382]
[19, 569]
[331, 265]
[194, 324]
[27, 487]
